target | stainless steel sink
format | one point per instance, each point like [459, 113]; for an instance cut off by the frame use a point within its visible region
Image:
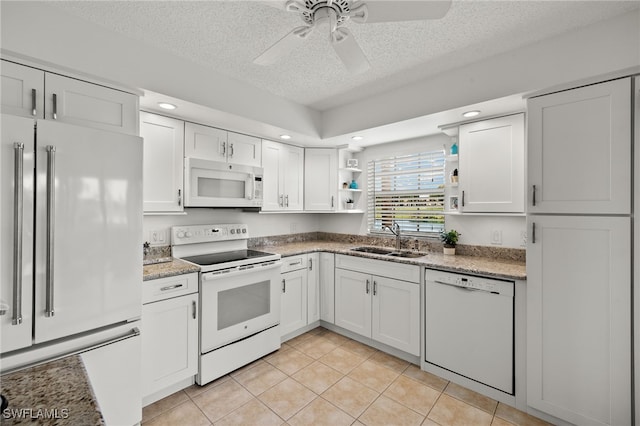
[374, 250]
[388, 252]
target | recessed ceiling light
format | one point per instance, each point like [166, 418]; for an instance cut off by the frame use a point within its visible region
[357, 138]
[166, 105]
[285, 137]
[469, 114]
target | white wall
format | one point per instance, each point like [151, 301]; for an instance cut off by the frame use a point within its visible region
[260, 224]
[476, 230]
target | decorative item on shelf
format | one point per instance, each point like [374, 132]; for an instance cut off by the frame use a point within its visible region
[348, 204]
[352, 163]
[453, 203]
[450, 239]
[345, 185]
[353, 184]
[454, 176]
[454, 149]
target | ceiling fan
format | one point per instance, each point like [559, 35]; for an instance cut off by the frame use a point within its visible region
[332, 15]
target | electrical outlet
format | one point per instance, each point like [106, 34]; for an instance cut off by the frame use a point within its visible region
[496, 237]
[158, 236]
[294, 227]
[523, 238]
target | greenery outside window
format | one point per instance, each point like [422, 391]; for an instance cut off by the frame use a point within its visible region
[408, 190]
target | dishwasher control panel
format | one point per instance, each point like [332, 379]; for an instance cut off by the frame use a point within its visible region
[470, 282]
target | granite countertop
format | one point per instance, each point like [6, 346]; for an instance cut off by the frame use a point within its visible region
[57, 392]
[168, 269]
[486, 266]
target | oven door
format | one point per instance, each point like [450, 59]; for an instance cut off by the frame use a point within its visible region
[216, 184]
[237, 304]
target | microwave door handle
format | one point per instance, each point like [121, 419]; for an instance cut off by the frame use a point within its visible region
[252, 177]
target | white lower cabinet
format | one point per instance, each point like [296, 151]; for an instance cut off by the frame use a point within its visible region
[293, 304]
[382, 308]
[327, 284]
[169, 333]
[313, 288]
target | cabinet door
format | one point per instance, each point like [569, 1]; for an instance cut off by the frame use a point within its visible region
[22, 90]
[293, 177]
[244, 149]
[205, 142]
[313, 288]
[353, 301]
[162, 165]
[396, 314]
[90, 105]
[579, 150]
[578, 319]
[272, 179]
[327, 280]
[321, 176]
[169, 342]
[293, 305]
[492, 165]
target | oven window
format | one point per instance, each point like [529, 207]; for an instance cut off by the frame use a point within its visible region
[220, 188]
[241, 304]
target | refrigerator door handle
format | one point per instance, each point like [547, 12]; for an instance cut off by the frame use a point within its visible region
[51, 203]
[18, 210]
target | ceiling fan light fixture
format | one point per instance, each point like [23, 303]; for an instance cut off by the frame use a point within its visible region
[167, 105]
[470, 114]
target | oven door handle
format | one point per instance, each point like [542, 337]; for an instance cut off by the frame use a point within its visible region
[210, 276]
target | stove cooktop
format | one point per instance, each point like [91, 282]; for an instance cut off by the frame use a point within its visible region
[226, 257]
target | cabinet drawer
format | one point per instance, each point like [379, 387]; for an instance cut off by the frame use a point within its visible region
[165, 288]
[293, 263]
[399, 271]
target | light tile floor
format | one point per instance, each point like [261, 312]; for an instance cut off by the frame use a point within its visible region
[323, 378]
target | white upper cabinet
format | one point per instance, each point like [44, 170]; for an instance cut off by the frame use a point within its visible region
[210, 143]
[283, 176]
[321, 175]
[22, 90]
[162, 167]
[580, 150]
[89, 105]
[492, 165]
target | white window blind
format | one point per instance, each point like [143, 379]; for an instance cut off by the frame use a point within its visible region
[407, 189]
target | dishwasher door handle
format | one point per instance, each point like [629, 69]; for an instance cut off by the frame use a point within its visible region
[465, 288]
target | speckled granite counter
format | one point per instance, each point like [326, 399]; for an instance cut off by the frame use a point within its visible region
[498, 268]
[167, 269]
[55, 393]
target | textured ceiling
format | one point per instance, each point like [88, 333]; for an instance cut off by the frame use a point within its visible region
[227, 35]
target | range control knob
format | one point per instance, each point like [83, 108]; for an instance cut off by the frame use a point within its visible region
[180, 234]
[238, 231]
[189, 234]
[244, 230]
[233, 231]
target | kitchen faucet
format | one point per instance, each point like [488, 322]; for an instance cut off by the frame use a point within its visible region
[395, 230]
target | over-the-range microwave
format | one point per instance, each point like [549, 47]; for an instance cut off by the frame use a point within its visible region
[218, 184]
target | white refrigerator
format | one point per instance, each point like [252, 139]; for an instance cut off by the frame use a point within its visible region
[70, 254]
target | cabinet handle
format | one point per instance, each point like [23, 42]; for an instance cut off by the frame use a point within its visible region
[55, 106]
[375, 288]
[179, 197]
[462, 198]
[18, 209]
[194, 309]
[171, 287]
[281, 200]
[297, 262]
[332, 201]
[34, 111]
[533, 233]
[284, 286]
[50, 226]
[534, 195]
[367, 287]
[230, 150]
[311, 264]
[286, 200]
[224, 148]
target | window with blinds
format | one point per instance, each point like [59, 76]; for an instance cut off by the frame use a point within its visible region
[407, 189]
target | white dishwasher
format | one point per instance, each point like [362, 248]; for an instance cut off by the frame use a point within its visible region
[469, 327]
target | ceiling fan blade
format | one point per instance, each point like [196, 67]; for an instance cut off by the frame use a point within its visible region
[372, 11]
[349, 51]
[283, 46]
